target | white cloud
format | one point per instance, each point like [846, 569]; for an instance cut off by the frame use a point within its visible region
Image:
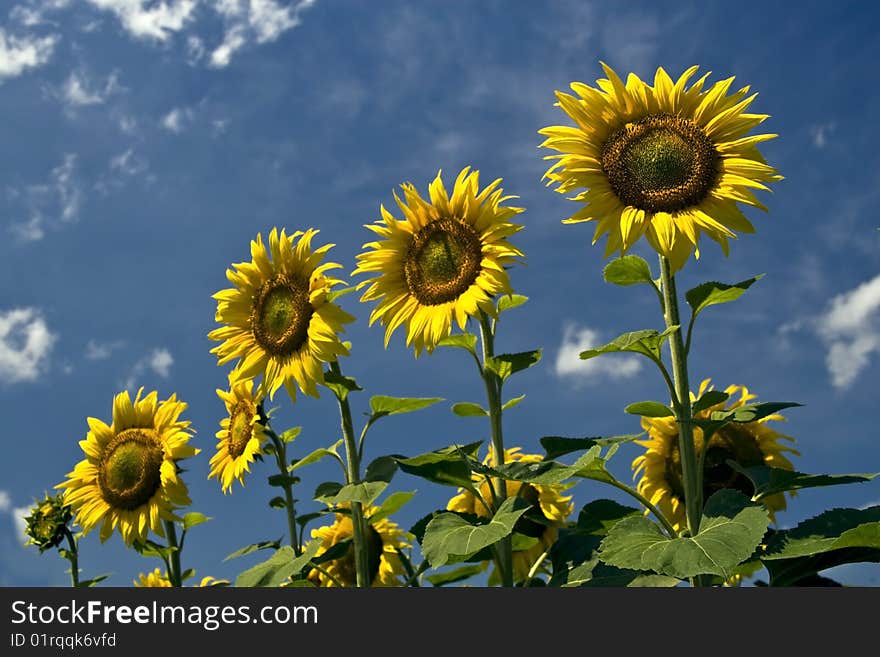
[233, 40]
[175, 121]
[159, 361]
[19, 514]
[17, 54]
[5, 501]
[79, 91]
[576, 339]
[821, 133]
[25, 345]
[69, 194]
[101, 351]
[122, 167]
[30, 230]
[128, 163]
[146, 19]
[851, 330]
[33, 12]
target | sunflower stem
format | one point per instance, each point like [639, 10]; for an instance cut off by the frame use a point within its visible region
[72, 556]
[693, 488]
[174, 573]
[353, 465]
[493, 394]
[647, 504]
[281, 460]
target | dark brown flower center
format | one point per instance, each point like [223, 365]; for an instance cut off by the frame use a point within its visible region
[241, 428]
[533, 522]
[129, 473]
[280, 315]
[731, 442]
[661, 163]
[443, 261]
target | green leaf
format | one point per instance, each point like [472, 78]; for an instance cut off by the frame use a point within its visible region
[752, 412]
[335, 294]
[646, 342]
[469, 409]
[277, 503]
[447, 466]
[317, 455]
[731, 528]
[327, 489]
[506, 365]
[509, 301]
[594, 574]
[628, 270]
[466, 341]
[649, 409]
[364, 492]
[254, 547]
[512, 402]
[279, 566]
[89, 583]
[557, 446]
[153, 549]
[192, 519]
[290, 435]
[770, 481]
[543, 472]
[832, 530]
[339, 384]
[334, 552]
[709, 399]
[282, 480]
[711, 293]
[457, 575]
[449, 535]
[381, 468]
[599, 516]
[381, 405]
[391, 505]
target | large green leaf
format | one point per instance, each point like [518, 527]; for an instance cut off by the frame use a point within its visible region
[595, 574]
[543, 472]
[649, 409]
[457, 574]
[832, 530]
[708, 294]
[382, 405]
[448, 536]
[752, 412]
[646, 342]
[254, 547]
[770, 481]
[510, 301]
[317, 455]
[382, 468]
[279, 566]
[628, 270]
[731, 528]
[467, 341]
[599, 516]
[391, 505]
[364, 492]
[709, 399]
[506, 365]
[556, 446]
[447, 466]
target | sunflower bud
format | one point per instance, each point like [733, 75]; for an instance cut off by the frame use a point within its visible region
[47, 523]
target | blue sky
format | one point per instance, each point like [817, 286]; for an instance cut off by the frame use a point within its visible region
[147, 143]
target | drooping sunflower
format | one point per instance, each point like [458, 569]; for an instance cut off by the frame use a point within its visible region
[550, 509]
[747, 443]
[383, 538]
[667, 162]
[443, 262]
[241, 433]
[129, 478]
[278, 321]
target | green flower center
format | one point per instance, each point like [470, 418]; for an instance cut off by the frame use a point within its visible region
[442, 261]
[240, 428]
[129, 473]
[661, 163]
[346, 569]
[732, 442]
[280, 315]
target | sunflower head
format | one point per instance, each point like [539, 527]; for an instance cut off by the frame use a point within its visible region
[47, 523]
[443, 262]
[129, 479]
[383, 539]
[665, 161]
[154, 579]
[277, 319]
[747, 443]
[241, 434]
[549, 511]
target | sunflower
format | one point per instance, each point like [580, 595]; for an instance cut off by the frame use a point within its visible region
[129, 478]
[46, 524]
[383, 539]
[277, 318]
[158, 579]
[444, 262]
[549, 511]
[747, 443]
[241, 434]
[663, 161]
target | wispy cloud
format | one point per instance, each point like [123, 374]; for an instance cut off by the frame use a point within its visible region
[820, 134]
[576, 339]
[25, 345]
[57, 200]
[79, 90]
[18, 515]
[158, 361]
[102, 350]
[145, 19]
[5, 501]
[177, 119]
[121, 168]
[20, 53]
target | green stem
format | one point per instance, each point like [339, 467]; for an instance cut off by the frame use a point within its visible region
[353, 476]
[493, 394]
[691, 480]
[647, 504]
[281, 460]
[73, 558]
[174, 573]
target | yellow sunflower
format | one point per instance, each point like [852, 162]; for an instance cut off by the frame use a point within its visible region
[278, 321]
[383, 538]
[549, 511]
[241, 434]
[666, 161]
[443, 262]
[158, 579]
[129, 478]
[747, 443]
